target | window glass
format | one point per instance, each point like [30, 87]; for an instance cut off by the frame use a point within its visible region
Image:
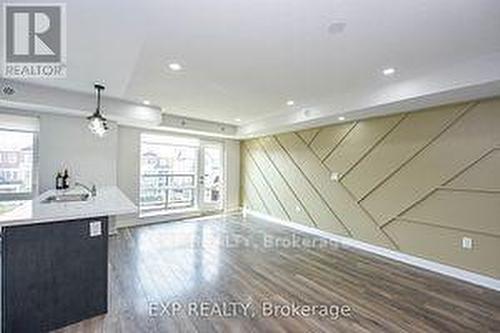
[16, 162]
[168, 173]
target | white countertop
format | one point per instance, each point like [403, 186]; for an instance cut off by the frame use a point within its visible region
[109, 201]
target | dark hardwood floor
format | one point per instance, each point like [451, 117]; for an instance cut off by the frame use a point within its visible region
[232, 259]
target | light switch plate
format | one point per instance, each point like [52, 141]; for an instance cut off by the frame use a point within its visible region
[95, 228]
[467, 243]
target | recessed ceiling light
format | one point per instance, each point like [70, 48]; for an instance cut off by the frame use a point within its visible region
[146, 102]
[237, 120]
[290, 103]
[175, 66]
[336, 28]
[341, 118]
[389, 71]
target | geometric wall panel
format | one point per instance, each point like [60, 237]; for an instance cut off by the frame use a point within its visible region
[474, 211]
[328, 138]
[483, 175]
[444, 245]
[359, 224]
[462, 144]
[322, 215]
[415, 182]
[362, 137]
[414, 132]
[287, 197]
[308, 135]
[272, 201]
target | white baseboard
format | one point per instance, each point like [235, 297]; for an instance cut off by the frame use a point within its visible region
[135, 221]
[461, 274]
[233, 209]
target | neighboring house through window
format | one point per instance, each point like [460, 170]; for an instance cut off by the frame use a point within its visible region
[18, 167]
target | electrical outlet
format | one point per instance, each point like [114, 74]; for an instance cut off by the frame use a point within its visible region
[95, 228]
[467, 243]
[335, 176]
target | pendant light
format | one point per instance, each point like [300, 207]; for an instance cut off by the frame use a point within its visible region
[97, 123]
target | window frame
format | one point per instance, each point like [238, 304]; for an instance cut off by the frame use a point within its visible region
[34, 169]
[167, 211]
[199, 205]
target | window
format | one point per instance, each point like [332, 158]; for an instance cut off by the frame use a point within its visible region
[12, 157]
[168, 173]
[179, 173]
[212, 175]
[18, 140]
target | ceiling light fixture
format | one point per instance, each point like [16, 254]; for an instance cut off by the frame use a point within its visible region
[341, 118]
[8, 90]
[97, 123]
[290, 103]
[336, 28]
[389, 71]
[175, 66]
[146, 102]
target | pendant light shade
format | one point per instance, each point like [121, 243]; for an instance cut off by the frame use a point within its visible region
[97, 123]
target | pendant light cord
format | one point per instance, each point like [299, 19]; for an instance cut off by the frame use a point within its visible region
[98, 88]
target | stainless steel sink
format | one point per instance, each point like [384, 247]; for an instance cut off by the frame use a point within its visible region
[66, 198]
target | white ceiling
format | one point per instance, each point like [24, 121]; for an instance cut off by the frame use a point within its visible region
[244, 58]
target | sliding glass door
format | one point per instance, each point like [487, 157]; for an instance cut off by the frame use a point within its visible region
[210, 176]
[180, 174]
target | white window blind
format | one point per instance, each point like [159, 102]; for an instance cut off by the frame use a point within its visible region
[19, 123]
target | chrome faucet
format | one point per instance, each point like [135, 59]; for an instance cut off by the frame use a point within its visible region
[92, 190]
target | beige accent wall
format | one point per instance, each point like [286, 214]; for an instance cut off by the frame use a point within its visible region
[417, 182]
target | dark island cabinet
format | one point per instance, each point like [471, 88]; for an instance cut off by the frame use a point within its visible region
[53, 274]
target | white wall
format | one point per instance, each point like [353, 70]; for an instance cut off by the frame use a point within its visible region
[232, 173]
[66, 142]
[128, 161]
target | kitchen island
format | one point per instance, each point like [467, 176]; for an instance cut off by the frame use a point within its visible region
[55, 260]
